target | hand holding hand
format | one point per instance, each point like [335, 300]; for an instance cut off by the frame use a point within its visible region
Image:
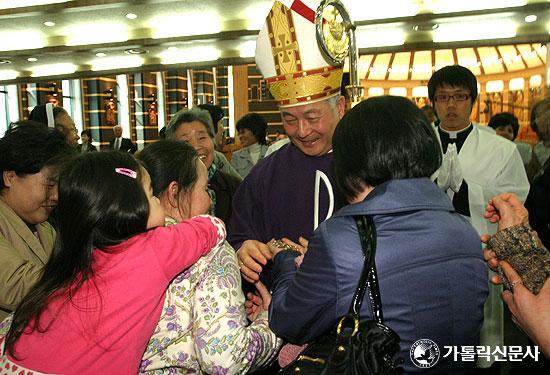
[256, 303]
[530, 312]
[507, 210]
[252, 256]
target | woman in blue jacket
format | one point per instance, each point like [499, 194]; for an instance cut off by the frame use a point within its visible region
[432, 277]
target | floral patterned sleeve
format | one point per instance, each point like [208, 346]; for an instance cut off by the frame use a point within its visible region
[225, 343]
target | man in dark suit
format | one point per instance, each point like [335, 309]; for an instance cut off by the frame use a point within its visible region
[121, 144]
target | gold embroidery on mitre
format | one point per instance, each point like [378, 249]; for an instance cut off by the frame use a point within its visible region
[308, 85]
[282, 36]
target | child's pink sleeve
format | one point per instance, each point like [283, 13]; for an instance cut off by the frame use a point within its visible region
[181, 245]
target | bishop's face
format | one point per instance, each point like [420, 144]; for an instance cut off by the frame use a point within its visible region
[310, 126]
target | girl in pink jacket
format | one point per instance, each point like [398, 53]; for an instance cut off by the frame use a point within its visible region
[102, 292]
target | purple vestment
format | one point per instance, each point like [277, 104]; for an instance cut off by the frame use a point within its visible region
[277, 199]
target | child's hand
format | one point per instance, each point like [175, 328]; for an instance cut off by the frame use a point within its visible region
[257, 303]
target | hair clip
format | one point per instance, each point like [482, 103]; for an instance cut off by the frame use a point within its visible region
[126, 172]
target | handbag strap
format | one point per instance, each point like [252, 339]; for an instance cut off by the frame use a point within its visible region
[369, 278]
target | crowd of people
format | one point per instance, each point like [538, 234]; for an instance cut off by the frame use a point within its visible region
[173, 259]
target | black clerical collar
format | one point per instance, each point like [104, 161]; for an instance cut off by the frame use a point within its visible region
[457, 137]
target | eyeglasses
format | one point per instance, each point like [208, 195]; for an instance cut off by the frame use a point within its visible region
[456, 97]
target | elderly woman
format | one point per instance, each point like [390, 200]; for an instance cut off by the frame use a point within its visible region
[30, 156]
[187, 324]
[385, 152]
[56, 117]
[252, 134]
[194, 126]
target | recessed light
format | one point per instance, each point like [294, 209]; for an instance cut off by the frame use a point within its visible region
[530, 18]
[101, 54]
[32, 59]
[425, 26]
[135, 51]
[5, 61]
[49, 23]
[172, 48]
[131, 16]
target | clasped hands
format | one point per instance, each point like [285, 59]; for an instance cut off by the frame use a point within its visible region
[530, 312]
[253, 255]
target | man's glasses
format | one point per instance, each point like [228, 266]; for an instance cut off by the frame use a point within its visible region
[443, 98]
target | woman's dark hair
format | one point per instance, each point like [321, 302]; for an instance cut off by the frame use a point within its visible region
[216, 113]
[28, 146]
[534, 113]
[504, 119]
[39, 114]
[256, 123]
[98, 207]
[381, 139]
[453, 75]
[88, 133]
[168, 161]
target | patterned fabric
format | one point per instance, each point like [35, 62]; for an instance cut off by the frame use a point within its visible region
[7, 367]
[203, 326]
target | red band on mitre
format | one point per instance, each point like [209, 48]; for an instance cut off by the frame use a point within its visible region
[303, 10]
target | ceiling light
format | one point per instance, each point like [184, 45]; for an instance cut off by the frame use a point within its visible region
[28, 3]
[494, 86]
[53, 69]
[535, 81]
[96, 33]
[120, 62]
[398, 91]
[192, 54]
[530, 18]
[32, 59]
[363, 10]
[492, 29]
[375, 91]
[131, 16]
[172, 48]
[425, 26]
[20, 40]
[516, 84]
[49, 23]
[420, 92]
[185, 24]
[247, 49]
[255, 14]
[8, 74]
[101, 54]
[5, 61]
[379, 37]
[468, 5]
[135, 51]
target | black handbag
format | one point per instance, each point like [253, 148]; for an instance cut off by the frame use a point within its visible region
[353, 347]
